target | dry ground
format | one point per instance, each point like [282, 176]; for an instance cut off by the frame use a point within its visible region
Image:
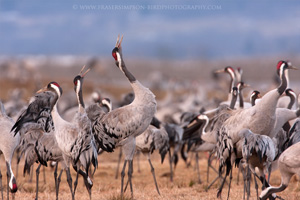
[185, 184]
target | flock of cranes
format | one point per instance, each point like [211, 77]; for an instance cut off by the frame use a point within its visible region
[259, 137]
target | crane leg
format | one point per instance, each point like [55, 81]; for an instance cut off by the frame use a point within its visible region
[58, 183]
[238, 175]
[230, 178]
[37, 172]
[248, 174]
[1, 186]
[269, 173]
[208, 165]
[7, 191]
[55, 176]
[87, 182]
[197, 167]
[153, 173]
[119, 160]
[76, 182]
[130, 171]
[69, 180]
[122, 178]
[44, 173]
[256, 186]
[244, 178]
[171, 167]
[138, 161]
[228, 168]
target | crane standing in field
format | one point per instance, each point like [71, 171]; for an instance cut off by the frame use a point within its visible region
[121, 126]
[8, 145]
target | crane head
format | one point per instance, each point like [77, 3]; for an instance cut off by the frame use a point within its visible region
[117, 51]
[52, 86]
[79, 79]
[283, 65]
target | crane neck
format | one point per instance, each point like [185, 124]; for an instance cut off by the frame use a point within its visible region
[253, 98]
[81, 105]
[282, 87]
[233, 80]
[292, 101]
[127, 73]
[233, 100]
[241, 99]
[57, 119]
[204, 126]
[270, 190]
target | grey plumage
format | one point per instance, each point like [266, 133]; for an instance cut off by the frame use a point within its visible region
[294, 134]
[40, 102]
[153, 139]
[7, 147]
[261, 145]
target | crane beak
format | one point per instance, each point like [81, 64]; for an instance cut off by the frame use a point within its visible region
[246, 85]
[80, 73]
[42, 90]
[292, 67]
[219, 71]
[81, 70]
[118, 43]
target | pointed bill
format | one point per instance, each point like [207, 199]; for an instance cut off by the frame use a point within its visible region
[42, 90]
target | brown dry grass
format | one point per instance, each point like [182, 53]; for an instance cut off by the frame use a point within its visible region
[185, 184]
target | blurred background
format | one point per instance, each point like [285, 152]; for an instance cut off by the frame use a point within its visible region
[168, 45]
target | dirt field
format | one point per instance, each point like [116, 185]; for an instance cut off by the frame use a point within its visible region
[184, 186]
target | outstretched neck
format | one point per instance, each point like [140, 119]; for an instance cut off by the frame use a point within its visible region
[80, 101]
[127, 73]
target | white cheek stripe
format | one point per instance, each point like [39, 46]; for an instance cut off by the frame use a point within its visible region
[231, 73]
[281, 69]
[119, 60]
[78, 86]
[56, 89]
